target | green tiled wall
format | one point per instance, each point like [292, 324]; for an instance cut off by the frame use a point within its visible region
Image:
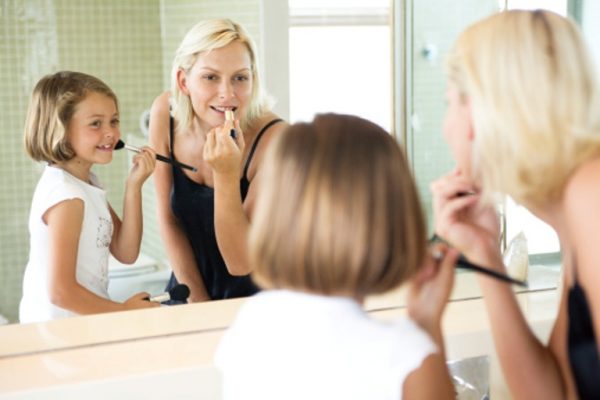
[128, 44]
[179, 16]
[438, 27]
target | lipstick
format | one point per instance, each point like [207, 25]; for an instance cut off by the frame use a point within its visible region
[229, 116]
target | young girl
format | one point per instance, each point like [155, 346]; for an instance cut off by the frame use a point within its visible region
[204, 216]
[72, 124]
[523, 120]
[338, 220]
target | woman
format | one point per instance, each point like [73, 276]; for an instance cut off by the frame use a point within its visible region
[204, 215]
[523, 120]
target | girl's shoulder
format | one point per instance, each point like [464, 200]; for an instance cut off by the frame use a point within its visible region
[55, 186]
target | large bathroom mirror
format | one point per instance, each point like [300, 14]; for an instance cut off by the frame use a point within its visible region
[379, 59]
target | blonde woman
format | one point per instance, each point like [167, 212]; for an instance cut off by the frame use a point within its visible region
[204, 215]
[523, 119]
[338, 219]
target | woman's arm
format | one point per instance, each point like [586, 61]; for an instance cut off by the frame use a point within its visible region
[127, 235]
[232, 218]
[64, 222]
[517, 347]
[472, 229]
[177, 246]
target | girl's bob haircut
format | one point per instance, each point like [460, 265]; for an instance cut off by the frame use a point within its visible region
[50, 110]
[338, 212]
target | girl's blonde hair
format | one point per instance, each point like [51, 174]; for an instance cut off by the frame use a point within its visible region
[50, 110]
[338, 212]
[534, 98]
[204, 37]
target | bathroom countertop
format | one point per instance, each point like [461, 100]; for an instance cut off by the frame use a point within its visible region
[191, 351]
[22, 339]
[159, 342]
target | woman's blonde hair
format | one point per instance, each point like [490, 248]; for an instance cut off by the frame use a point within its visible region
[534, 98]
[204, 37]
[51, 108]
[338, 212]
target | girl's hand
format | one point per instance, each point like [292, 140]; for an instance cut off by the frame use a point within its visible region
[430, 289]
[139, 300]
[463, 221]
[222, 152]
[143, 165]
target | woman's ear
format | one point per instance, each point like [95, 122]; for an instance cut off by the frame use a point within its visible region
[182, 82]
[471, 131]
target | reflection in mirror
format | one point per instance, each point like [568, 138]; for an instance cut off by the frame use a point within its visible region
[340, 59]
[130, 45]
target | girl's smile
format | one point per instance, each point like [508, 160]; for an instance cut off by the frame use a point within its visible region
[93, 132]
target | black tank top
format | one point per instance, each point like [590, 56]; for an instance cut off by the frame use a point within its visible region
[583, 351]
[193, 206]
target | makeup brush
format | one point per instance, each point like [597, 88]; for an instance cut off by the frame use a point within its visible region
[120, 144]
[230, 117]
[463, 263]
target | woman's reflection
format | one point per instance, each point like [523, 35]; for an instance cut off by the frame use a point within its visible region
[204, 216]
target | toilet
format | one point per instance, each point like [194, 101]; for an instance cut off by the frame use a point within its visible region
[144, 275]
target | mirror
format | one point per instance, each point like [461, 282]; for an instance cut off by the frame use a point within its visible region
[129, 45]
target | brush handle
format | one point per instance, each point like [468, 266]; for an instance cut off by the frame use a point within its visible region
[466, 264]
[463, 263]
[163, 158]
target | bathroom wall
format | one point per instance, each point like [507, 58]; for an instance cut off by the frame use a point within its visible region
[434, 29]
[126, 43]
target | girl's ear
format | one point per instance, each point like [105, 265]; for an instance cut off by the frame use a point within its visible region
[182, 82]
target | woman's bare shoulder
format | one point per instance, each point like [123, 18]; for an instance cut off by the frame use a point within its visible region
[581, 201]
[584, 182]
[261, 122]
[159, 122]
[161, 104]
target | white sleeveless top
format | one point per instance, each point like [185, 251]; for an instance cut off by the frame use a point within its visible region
[292, 345]
[55, 186]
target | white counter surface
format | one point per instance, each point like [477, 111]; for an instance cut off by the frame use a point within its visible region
[155, 346]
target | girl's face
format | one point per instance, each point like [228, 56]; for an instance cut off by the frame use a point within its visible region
[458, 130]
[220, 80]
[93, 130]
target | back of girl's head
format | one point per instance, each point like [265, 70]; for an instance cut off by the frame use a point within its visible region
[338, 212]
[534, 98]
[51, 108]
[204, 37]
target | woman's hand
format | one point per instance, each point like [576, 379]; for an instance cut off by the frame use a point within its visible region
[430, 289]
[143, 166]
[223, 152]
[463, 221]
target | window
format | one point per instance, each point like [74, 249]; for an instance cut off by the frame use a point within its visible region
[340, 59]
[541, 238]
